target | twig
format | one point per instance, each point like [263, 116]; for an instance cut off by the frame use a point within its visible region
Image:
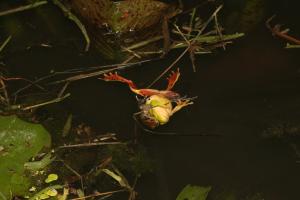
[150, 52]
[22, 79]
[191, 22]
[168, 68]
[60, 94]
[32, 84]
[182, 35]
[3, 87]
[73, 171]
[133, 193]
[5, 43]
[101, 72]
[98, 194]
[144, 43]
[166, 35]
[276, 31]
[72, 71]
[73, 18]
[22, 8]
[219, 31]
[132, 52]
[89, 144]
[98, 169]
[210, 39]
[208, 21]
[190, 44]
[56, 100]
[84, 76]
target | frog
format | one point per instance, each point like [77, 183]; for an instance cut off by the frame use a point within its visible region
[156, 106]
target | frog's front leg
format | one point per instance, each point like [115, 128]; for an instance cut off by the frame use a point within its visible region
[180, 104]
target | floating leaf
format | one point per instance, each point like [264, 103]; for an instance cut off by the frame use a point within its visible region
[21, 141]
[193, 193]
[38, 165]
[46, 192]
[43, 196]
[51, 177]
[52, 192]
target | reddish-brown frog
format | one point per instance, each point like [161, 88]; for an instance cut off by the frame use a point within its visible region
[157, 106]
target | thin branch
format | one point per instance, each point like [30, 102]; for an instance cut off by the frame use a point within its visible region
[101, 72]
[192, 22]
[5, 43]
[74, 172]
[73, 18]
[89, 144]
[219, 31]
[166, 35]
[144, 43]
[22, 8]
[168, 68]
[208, 21]
[56, 100]
[74, 71]
[5, 93]
[132, 52]
[60, 94]
[98, 194]
[277, 32]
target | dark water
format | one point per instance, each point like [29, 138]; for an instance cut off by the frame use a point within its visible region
[241, 92]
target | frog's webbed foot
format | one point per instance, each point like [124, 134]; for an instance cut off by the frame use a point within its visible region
[116, 77]
[172, 79]
[180, 104]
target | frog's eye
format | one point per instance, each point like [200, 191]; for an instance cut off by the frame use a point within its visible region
[147, 99]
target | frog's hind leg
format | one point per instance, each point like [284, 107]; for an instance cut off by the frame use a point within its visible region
[116, 77]
[172, 79]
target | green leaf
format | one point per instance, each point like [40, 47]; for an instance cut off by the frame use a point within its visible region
[20, 141]
[39, 165]
[193, 193]
[51, 178]
[115, 176]
[46, 192]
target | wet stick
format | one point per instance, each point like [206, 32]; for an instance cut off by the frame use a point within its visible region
[279, 33]
[22, 8]
[99, 194]
[59, 99]
[5, 43]
[89, 144]
[73, 18]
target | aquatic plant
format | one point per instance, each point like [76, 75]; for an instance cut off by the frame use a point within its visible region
[193, 193]
[20, 141]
